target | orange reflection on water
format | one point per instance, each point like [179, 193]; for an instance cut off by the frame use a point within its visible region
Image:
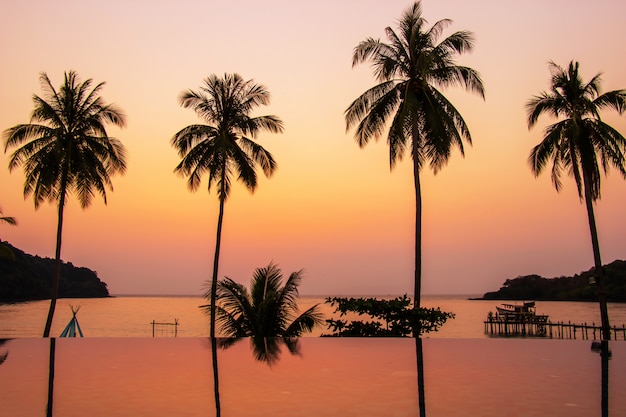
[329, 377]
[333, 376]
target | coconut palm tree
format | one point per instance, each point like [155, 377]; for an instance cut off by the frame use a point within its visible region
[270, 309]
[411, 69]
[66, 149]
[224, 148]
[581, 144]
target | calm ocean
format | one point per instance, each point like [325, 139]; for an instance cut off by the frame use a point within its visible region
[131, 316]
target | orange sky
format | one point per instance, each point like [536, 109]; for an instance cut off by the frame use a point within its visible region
[331, 208]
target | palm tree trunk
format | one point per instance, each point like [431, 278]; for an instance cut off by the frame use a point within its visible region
[216, 380]
[599, 270]
[417, 289]
[57, 262]
[605, 355]
[421, 396]
[216, 261]
[51, 377]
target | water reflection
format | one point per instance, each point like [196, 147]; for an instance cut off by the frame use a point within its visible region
[421, 392]
[51, 376]
[3, 356]
[265, 349]
[605, 354]
[351, 376]
[216, 380]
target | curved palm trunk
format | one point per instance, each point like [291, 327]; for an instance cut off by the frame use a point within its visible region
[417, 287]
[57, 263]
[599, 270]
[216, 261]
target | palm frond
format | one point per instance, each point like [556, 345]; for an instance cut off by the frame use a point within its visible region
[220, 148]
[305, 322]
[268, 310]
[408, 67]
[580, 138]
[68, 141]
[259, 155]
[7, 219]
[615, 100]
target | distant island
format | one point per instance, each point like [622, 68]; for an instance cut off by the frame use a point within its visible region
[24, 277]
[576, 288]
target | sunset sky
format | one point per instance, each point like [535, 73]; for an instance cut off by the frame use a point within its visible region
[331, 208]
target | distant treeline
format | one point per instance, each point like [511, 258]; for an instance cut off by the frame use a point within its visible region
[25, 277]
[576, 288]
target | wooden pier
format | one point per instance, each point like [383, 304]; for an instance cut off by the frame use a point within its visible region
[531, 327]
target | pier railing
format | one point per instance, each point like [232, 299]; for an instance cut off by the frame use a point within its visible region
[503, 327]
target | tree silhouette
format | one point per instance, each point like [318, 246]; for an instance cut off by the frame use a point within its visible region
[66, 149]
[270, 309]
[410, 69]
[581, 144]
[224, 148]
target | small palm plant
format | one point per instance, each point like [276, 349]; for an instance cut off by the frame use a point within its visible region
[270, 309]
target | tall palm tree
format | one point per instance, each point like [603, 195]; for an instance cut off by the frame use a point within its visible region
[66, 149]
[410, 70]
[270, 309]
[224, 147]
[576, 142]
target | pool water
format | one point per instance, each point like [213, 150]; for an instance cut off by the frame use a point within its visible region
[317, 377]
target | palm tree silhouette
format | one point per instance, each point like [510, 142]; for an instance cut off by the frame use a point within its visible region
[222, 148]
[66, 149]
[576, 142]
[410, 69]
[269, 310]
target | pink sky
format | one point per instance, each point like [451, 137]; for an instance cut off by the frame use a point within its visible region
[331, 209]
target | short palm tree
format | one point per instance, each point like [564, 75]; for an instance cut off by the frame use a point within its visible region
[270, 309]
[66, 149]
[224, 147]
[581, 144]
[410, 70]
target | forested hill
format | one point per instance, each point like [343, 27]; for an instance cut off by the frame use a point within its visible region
[576, 288]
[26, 277]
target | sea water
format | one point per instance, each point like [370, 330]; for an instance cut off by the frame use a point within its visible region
[132, 316]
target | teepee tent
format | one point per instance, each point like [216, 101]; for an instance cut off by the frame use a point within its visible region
[72, 326]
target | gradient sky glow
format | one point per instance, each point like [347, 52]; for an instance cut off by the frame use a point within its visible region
[332, 209]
